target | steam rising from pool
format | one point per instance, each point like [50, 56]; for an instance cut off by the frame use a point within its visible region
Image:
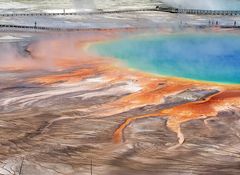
[207, 57]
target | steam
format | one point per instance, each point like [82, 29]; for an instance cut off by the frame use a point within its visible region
[205, 4]
[48, 53]
[9, 55]
[84, 4]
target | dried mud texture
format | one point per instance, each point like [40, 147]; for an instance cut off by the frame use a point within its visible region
[57, 118]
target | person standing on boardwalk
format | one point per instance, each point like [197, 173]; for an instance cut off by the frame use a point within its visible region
[35, 24]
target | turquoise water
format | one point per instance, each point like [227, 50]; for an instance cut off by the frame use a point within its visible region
[207, 57]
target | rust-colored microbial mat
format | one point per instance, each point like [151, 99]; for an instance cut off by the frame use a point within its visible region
[65, 107]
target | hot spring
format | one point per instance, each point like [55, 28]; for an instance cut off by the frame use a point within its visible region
[206, 57]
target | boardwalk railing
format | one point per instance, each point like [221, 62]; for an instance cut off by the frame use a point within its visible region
[79, 13]
[201, 12]
[163, 9]
[7, 28]
[10, 27]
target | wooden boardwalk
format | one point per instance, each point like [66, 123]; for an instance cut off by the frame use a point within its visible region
[201, 12]
[162, 9]
[11, 27]
[79, 13]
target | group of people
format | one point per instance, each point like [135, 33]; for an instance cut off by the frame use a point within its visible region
[212, 23]
[216, 23]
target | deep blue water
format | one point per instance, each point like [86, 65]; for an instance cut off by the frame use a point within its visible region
[207, 57]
